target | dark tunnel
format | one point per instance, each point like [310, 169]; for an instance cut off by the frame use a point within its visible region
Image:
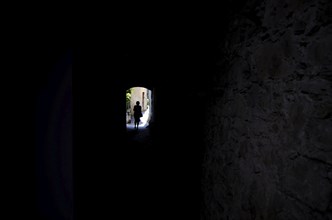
[241, 116]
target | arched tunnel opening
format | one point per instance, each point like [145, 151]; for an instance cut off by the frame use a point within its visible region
[144, 98]
[238, 127]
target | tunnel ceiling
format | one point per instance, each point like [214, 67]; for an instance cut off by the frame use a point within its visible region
[187, 36]
[173, 42]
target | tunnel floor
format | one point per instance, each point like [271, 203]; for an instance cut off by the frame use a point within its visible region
[154, 183]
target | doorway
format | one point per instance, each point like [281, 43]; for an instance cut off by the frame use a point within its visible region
[144, 97]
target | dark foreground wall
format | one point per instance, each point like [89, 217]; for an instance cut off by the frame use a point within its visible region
[268, 136]
[54, 139]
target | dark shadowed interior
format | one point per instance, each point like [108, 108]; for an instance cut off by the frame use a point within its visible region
[241, 125]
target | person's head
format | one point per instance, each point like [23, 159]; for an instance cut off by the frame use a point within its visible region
[137, 103]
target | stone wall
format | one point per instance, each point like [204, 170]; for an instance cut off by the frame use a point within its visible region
[268, 137]
[136, 95]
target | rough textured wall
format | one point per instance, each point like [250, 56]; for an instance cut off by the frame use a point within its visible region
[269, 134]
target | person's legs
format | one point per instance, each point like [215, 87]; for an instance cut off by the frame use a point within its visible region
[136, 123]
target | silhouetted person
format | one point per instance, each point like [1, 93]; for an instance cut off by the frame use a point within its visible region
[137, 114]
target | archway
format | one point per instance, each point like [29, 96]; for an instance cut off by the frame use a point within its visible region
[144, 96]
